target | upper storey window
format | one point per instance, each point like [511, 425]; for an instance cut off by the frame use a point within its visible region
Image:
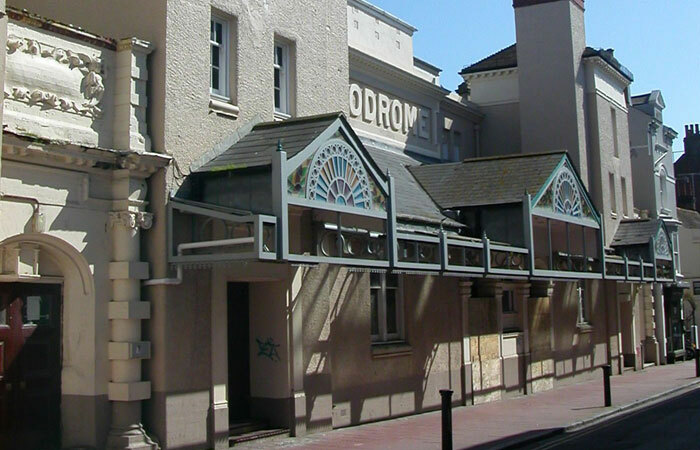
[219, 40]
[281, 88]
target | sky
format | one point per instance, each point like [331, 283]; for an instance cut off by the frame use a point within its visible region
[658, 40]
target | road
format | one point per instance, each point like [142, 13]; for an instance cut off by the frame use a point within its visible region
[673, 424]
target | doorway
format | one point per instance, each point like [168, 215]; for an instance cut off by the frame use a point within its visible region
[238, 353]
[30, 365]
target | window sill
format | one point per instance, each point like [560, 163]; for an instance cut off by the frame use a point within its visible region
[584, 327]
[223, 107]
[613, 215]
[390, 349]
[280, 116]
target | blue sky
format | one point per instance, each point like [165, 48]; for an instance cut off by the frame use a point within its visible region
[658, 40]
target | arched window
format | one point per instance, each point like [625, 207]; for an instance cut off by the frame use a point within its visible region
[662, 187]
[338, 176]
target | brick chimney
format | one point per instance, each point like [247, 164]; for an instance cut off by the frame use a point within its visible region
[551, 39]
[692, 139]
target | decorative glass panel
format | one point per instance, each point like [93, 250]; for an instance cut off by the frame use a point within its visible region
[563, 196]
[663, 250]
[335, 174]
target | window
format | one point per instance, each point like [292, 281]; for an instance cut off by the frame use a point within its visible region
[662, 187]
[623, 186]
[583, 305]
[387, 307]
[281, 65]
[219, 43]
[457, 150]
[696, 287]
[508, 303]
[445, 147]
[613, 199]
[613, 120]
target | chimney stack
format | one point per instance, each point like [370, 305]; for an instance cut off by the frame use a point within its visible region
[551, 39]
[692, 139]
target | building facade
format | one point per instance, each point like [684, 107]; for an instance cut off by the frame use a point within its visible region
[230, 217]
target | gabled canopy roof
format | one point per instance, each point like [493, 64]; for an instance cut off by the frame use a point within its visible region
[257, 147]
[412, 202]
[487, 181]
[639, 232]
[635, 232]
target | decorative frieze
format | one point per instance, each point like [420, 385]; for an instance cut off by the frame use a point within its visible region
[131, 219]
[91, 86]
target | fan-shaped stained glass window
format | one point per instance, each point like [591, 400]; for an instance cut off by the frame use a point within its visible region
[663, 250]
[567, 198]
[337, 176]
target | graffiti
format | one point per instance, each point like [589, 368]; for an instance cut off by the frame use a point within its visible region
[268, 349]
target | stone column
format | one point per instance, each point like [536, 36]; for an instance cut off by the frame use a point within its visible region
[660, 318]
[540, 324]
[126, 311]
[465, 293]
[130, 100]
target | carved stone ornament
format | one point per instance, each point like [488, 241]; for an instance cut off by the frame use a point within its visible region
[92, 86]
[131, 219]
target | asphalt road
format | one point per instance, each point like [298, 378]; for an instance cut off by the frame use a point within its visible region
[670, 425]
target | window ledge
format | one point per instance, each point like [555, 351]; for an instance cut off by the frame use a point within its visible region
[391, 349]
[223, 107]
[280, 116]
[613, 215]
[584, 327]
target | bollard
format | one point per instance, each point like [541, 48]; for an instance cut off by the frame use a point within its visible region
[446, 419]
[697, 362]
[607, 371]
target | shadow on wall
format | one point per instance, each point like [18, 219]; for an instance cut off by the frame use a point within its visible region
[367, 386]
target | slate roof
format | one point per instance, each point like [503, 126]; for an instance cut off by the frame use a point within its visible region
[508, 57]
[502, 59]
[257, 147]
[635, 232]
[412, 202]
[486, 181]
[689, 218]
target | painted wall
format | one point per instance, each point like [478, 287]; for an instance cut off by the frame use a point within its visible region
[578, 349]
[75, 246]
[347, 379]
[603, 162]
[383, 36]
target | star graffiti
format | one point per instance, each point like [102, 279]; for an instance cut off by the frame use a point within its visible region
[268, 349]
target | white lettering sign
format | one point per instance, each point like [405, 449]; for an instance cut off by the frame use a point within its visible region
[393, 114]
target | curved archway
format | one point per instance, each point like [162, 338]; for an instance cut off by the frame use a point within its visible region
[83, 368]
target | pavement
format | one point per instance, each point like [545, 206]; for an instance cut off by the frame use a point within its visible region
[510, 423]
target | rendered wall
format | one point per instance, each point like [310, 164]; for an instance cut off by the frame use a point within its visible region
[350, 381]
[578, 349]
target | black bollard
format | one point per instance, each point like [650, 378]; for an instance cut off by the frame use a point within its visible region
[446, 419]
[697, 362]
[607, 371]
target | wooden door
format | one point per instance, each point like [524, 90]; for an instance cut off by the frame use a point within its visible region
[30, 365]
[238, 353]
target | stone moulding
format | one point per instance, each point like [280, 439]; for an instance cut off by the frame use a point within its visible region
[92, 85]
[131, 219]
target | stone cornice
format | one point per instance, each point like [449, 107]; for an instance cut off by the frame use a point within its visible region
[600, 62]
[65, 155]
[66, 30]
[360, 62]
[522, 3]
[491, 73]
